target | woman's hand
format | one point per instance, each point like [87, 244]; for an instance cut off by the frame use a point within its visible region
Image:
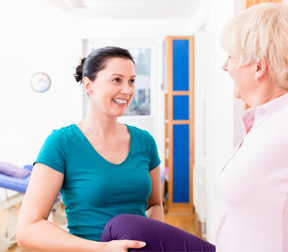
[121, 245]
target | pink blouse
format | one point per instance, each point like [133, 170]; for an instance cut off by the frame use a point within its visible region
[253, 185]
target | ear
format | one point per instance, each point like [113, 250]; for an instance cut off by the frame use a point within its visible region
[262, 68]
[86, 82]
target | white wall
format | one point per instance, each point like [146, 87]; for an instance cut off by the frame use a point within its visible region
[199, 17]
[217, 116]
[200, 80]
[34, 42]
[219, 97]
[30, 45]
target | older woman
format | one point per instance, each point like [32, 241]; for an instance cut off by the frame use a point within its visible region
[253, 185]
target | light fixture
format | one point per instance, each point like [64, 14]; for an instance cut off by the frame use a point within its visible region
[40, 82]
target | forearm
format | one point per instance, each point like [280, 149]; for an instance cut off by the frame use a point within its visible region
[155, 212]
[45, 236]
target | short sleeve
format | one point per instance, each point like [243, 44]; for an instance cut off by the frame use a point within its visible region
[154, 156]
[53, 151]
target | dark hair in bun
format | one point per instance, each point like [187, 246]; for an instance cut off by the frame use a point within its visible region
[96, 61]
[79, 71]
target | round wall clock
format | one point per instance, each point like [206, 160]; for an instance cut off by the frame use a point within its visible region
[40, 82]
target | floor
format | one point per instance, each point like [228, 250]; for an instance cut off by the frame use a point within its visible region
[187, 222]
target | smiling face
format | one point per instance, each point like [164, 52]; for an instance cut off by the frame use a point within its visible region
[243, 76]
[112, 90]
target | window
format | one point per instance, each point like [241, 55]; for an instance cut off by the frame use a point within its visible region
[140, 104]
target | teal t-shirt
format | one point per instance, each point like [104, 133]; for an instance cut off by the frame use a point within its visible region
[95, 190]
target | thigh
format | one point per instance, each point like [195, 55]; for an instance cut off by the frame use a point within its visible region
[158, 236]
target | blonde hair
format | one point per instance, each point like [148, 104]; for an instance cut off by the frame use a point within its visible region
[260, 32]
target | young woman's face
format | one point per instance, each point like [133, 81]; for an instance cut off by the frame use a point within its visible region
[113, 88]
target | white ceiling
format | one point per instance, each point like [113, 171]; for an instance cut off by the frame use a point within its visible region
[158, 9]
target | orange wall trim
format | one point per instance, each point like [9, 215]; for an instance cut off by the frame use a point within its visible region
[250, 3]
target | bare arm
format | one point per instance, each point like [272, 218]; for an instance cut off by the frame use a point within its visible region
[33, 229]
[155, 207]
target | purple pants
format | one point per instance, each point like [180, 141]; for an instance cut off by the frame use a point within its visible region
[158, 236]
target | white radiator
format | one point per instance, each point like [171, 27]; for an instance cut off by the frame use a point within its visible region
[199, 195]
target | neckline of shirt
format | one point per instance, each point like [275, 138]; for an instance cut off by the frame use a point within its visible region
[250, 116]
[105, 160]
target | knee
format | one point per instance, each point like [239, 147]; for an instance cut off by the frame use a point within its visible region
[120, 221]
[114, 229]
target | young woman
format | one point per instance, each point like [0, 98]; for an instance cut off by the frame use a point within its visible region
[103, 168]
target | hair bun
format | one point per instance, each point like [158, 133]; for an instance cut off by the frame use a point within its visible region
[79, 71]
